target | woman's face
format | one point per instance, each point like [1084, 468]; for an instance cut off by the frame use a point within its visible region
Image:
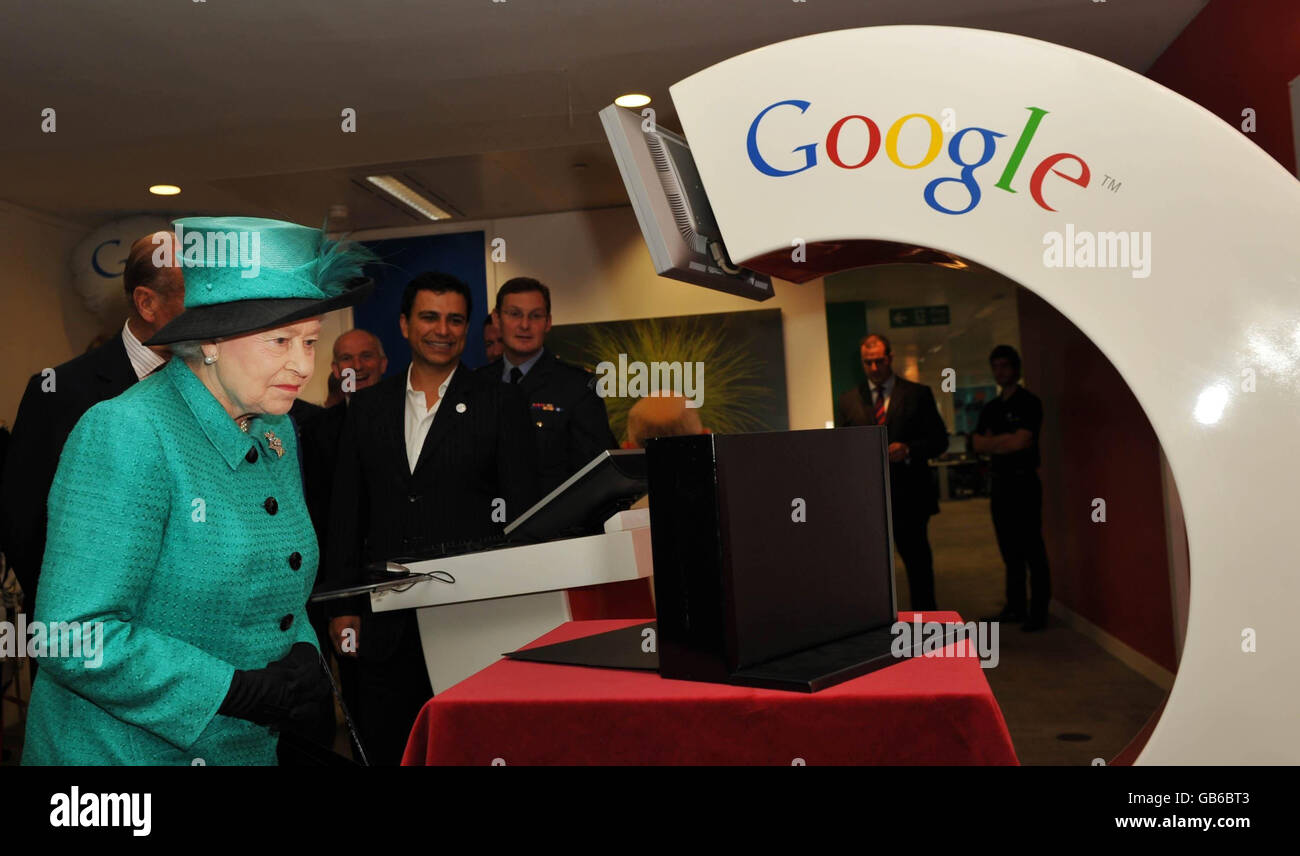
[263, 372]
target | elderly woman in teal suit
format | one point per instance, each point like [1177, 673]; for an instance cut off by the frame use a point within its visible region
[178, 527]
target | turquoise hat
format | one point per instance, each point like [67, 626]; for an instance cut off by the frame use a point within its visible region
[247, 273]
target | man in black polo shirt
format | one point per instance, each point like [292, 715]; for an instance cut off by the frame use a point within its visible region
[1008, 431]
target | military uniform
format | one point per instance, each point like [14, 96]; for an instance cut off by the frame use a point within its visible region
[569, 418]
[190, 541]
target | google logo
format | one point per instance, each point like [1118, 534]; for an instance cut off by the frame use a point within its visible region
[858, 124]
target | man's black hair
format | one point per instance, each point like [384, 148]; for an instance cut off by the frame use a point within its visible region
[1008, 353]
[438, 283]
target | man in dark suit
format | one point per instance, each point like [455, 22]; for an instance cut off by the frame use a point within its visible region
[916, 434]
[358, 363]
[427, 457]
[569, 419]
[56, 398]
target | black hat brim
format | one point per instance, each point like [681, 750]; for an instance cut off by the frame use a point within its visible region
[224, 320]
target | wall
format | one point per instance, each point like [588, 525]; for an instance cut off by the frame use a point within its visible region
[1237, 54]
[598, 269]
[1097, 443]
[43, 322]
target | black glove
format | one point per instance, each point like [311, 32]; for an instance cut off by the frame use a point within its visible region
[284, 694]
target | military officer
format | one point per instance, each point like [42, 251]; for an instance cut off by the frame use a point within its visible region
[571, 424]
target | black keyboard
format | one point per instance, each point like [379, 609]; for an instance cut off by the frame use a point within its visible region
[446, 549]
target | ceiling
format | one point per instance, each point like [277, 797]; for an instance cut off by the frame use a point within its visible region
[489, 106]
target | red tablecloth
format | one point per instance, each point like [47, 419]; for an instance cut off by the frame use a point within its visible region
[923, 711]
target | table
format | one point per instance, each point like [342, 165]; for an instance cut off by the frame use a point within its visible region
[923, 711]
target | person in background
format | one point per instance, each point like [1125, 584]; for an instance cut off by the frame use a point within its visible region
[661, 415]
[359, 356]
[333, 392]
[658, 415]
[434, 454]
[1008, 431]
[571, 423]
[54, 401]
[916, 434]
[492, 338]
[358, 363]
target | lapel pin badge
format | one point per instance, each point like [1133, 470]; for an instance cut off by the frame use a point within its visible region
[275, 444]
[461, 408]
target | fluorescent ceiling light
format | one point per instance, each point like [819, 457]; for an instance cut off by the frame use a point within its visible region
[632, 99]
[402, 193]
[164, 189]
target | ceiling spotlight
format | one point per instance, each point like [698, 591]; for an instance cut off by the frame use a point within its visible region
[164, 189]
[405, 194]
[632, 99]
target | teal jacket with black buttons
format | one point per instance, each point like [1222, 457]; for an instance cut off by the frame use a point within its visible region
[189, 542]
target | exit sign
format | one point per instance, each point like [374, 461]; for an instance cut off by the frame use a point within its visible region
[918, 316]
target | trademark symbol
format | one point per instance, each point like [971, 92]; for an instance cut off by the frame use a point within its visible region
[1110, 184]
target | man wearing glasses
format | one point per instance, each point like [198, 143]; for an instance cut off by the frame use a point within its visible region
[569, 418]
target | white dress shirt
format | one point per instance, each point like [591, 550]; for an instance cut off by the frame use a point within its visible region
[142, 359]
[419, 416]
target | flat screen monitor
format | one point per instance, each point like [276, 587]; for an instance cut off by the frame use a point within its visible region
[609, 483]
[672, 209]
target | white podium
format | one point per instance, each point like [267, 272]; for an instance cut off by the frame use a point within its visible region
[503, 599]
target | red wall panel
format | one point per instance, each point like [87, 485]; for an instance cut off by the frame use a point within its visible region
[1097, 443]
[1237, 54]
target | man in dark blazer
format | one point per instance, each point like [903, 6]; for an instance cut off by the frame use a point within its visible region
[569, 419]
[434, 455]
[916, 434]
[358, 363]
[56, 398]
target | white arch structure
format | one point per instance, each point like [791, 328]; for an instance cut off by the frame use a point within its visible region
[1220, 303]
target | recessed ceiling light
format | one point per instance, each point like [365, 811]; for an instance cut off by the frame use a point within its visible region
[405, 194]
[164, 189]
[632, 99]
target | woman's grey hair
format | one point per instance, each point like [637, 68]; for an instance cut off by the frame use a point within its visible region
[190, 350]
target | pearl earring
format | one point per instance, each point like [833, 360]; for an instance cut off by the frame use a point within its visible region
[209, 359]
